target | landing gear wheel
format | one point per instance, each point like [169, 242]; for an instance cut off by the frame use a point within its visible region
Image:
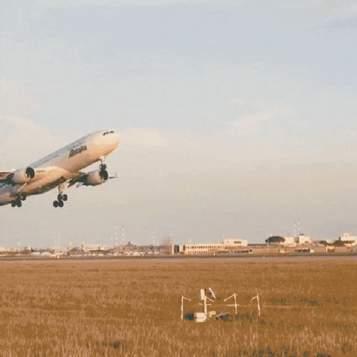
[60, 204]
[62, 197]
[17, 202]
[55, 204]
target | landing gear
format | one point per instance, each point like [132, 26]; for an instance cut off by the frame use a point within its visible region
[61, 199]
[103, 170]
[103, 166]
[17, 202]
[57, 204]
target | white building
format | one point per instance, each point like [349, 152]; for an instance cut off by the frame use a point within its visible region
[228, 246]
[235, 242]
[92, 247]
[288, 241]
[303, 239]
[348, 238]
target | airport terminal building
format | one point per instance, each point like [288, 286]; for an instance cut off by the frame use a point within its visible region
[228, 246]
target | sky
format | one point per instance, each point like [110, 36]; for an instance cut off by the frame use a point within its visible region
[237, 118]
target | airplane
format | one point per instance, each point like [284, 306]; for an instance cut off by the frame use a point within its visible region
[61, 169]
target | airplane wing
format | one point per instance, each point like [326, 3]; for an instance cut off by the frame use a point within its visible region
[4, 175]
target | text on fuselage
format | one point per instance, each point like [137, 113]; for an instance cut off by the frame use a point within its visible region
[78, 150]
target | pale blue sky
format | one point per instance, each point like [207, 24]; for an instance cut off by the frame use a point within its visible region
[238, 118]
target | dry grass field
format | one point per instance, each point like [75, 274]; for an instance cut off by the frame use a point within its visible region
[131, 308]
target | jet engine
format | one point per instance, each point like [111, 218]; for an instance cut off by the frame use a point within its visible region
[20, 177]
[96, 178]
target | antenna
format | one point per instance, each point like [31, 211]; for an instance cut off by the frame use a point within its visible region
[212, 294]
[257, 299]
[204, 298]
[183, 299]
[235, 305]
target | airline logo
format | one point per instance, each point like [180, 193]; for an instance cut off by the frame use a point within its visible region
[78, 150]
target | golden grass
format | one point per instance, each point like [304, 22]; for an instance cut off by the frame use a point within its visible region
[131, 308]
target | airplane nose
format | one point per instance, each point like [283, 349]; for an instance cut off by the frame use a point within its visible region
[116, 140]
[107, 141]
[112, 141]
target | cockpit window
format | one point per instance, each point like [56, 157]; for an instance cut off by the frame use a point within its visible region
[108, 132]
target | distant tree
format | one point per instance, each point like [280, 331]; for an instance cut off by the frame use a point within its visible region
[275, 240]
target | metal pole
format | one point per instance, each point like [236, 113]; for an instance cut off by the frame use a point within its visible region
[181, 308]
[205, 305]
[258, 303]
[183, 298]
